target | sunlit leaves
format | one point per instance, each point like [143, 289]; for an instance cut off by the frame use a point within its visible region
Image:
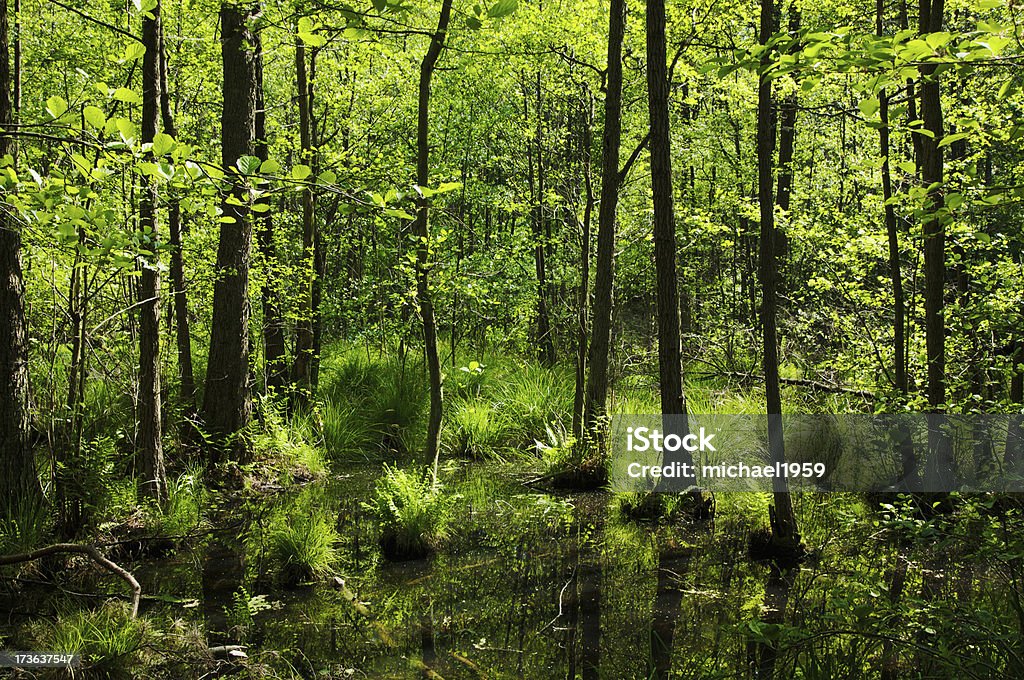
[56, 106]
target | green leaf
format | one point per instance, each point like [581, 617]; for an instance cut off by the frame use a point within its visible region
[473, 23]
[949, 139]
[300, 172]
[502, 8]
[162, 143]
[126, 129]
[56, 106]
[380, 5]
[123, 94]
[133, 51]
[954, 200]
[326, 177]
[908, 167]
[394, 212]
[270, 167]
[94, 116]
[248, 165]
[868, 107]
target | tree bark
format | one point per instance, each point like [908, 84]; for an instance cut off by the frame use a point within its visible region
[939, 468]
[19, 483]
[583, 312]
[604, 275]
[785, 534]
[670, 362]
[226, 407]
[150, 444]
[422, 228]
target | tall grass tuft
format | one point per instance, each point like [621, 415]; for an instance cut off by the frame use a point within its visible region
[414, 512]
[110, 641]
[302, 548]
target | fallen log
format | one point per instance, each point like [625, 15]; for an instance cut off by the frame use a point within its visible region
[92, 553]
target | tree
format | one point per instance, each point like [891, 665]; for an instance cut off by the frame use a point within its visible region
[604, 275]
[785, 535]
[19, 483]
[422, 231]
[154, 478]
[226, 407]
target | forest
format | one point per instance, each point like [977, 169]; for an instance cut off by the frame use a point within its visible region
[323, 325]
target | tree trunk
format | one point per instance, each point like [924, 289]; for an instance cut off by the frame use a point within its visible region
[19, 483]
[939, 468]
[670, 364]
[304, 359]
[182, 331]
[226, 407]
[422, 227]
[150, 444]
[545, 344]
[586, 141]
[784, 529]
[275, 365]
[601, 330]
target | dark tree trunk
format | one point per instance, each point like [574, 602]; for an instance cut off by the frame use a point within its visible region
[601, 329]
[908, 476]
[275, 365]
[182, 331]
[19, 483]
[670, 363]
[150, 444]
[545, 343]
[422, 227]
[583, 316]
[226, 407]
[784, 529]
[303, 368]
[939, 468]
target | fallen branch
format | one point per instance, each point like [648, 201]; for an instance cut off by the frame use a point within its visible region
[800, 382]
[92, 553]
[338, 583]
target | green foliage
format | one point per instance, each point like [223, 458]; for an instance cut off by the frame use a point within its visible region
[288, 444]
[111, 643]
[183, 512]
[301, 547]
[414, 511]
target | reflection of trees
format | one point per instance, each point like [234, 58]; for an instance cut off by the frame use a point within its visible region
[673, 562]
[763, 650]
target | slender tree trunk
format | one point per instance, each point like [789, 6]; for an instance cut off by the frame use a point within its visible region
[939, 468]
[601, 329]
[302, 370]
[422, 227]
[670, 362]
[582, 333]
[19, 482]
[226, 407]
[545, 343]
[275, 366]
[784, 529]
[182, 331]
[150, 444]
[908, 477]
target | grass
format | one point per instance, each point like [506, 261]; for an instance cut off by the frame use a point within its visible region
[301, 548]
[186, 496]
[414, 511]
[289, 444]
[110, 641]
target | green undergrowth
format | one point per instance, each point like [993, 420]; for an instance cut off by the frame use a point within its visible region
[415, 512]
[110, 642]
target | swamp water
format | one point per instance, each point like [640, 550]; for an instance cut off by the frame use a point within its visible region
[532, 585]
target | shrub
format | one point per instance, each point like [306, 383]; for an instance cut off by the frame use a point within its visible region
[414, 513]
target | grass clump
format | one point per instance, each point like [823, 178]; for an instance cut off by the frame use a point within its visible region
[301, 548]
[478, 428]
[288, 445]
[110, 642]
[414, 512]
[183, 512]
[570, 463]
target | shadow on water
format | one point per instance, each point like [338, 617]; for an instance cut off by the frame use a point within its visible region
[673, 564]
[763, 647]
